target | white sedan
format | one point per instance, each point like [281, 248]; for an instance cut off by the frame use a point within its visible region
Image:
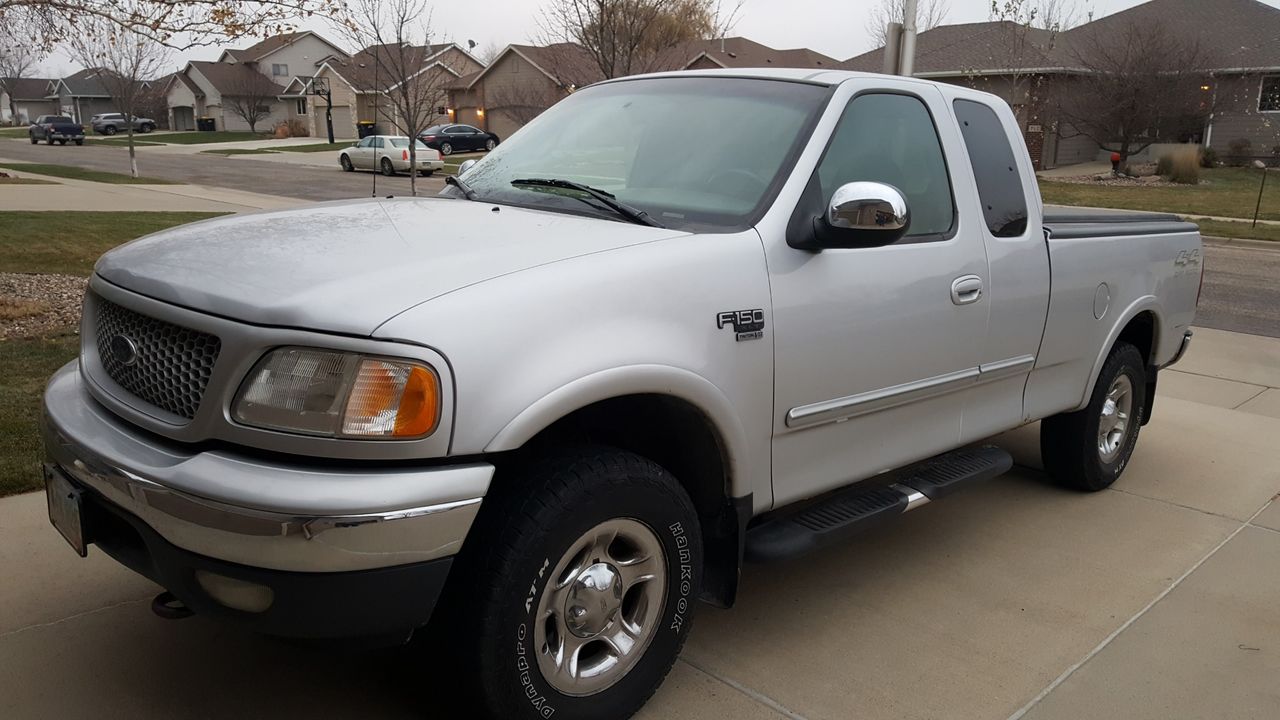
[390, 155]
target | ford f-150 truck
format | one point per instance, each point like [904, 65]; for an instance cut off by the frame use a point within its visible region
[614, 369]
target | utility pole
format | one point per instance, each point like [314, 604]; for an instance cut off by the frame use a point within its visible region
[907, 65]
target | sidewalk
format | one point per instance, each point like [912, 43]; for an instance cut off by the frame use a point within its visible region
[70, 194]
[242, 145]
[1013, 599]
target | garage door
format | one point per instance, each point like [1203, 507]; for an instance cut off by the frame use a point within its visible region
[344, 128]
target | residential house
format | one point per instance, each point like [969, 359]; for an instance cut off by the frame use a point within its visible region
[358, 88]
[26, 96]
[81, 95]
[1026, 65]
[215, 89]
[200, 89]
[524, 80]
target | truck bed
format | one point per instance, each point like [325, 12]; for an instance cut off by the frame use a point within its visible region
[1067, 222]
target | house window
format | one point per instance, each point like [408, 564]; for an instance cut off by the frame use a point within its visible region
[279, 69]
[1269, 100]
[302, 106]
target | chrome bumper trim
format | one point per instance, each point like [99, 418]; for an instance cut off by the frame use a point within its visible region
[127, 469]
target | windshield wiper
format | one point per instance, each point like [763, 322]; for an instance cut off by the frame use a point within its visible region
[462, 185]
[632, 214]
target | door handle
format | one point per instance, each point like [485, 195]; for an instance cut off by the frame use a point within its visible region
[966, 289]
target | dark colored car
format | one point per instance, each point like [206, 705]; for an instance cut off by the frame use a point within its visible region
[60, 128]
[449, 139]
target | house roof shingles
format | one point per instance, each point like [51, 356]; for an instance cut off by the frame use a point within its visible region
[1243, 34]
[740, 52]
[232, 78]
[361, 70]
[27, 88]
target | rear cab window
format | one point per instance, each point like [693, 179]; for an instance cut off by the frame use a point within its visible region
[995, 169]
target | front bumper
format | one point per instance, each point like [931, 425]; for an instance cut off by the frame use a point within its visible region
[265, 522]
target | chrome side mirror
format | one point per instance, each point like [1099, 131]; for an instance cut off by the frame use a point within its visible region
[869, 208]
[466, 165]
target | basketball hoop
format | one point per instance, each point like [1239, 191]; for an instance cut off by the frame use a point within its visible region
[319, 86]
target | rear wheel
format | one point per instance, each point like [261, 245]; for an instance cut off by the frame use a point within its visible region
[578, 592]
[34, 140]
[490, 144]
[387, 168]
[446, 149]
[79, 141]
[427, 173]
[147, 127]
[109, 130]
[1089, 449]
[48, 139]
[62, 142]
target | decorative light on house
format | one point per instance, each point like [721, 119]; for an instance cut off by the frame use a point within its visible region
[479, 112]
[1205, 88]
[449, 111]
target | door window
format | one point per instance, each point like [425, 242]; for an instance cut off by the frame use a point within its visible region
[377, 142]
[1004, 205]
[366, 142]
[890, 138]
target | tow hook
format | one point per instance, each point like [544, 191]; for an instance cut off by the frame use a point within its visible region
[169, 607]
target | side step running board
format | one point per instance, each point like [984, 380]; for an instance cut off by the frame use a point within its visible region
[865, 505]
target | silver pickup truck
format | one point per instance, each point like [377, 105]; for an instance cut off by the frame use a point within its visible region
[676, 323]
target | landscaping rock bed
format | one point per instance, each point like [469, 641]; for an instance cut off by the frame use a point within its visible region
[1109, 180]
[33, 304]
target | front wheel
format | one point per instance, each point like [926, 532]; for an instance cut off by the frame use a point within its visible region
[79, 141]
[34, 140]
[345, 162]
[387, 168]
[48, 139]
[146, 128]
[109, 130]
[578, 593]
[1089, 449]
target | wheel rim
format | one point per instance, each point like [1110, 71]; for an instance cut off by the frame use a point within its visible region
[446, 149]
[386, 167]
[1113, 423]
[346, 163]
[490, 145]
[601, 607]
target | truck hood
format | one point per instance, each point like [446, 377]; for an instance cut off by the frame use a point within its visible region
[348, 267]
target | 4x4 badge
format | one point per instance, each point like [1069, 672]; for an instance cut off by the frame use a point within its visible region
[747, 324]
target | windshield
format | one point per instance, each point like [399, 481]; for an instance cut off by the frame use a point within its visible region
[695, 153]
[403, 142]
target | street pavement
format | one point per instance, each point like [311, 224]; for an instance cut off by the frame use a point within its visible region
[1015, 599]
[1241, 289]
[240, 173]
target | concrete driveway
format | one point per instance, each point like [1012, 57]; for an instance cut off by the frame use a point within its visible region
[1156, 599]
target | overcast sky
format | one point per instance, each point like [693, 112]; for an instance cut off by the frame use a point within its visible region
[833, 27]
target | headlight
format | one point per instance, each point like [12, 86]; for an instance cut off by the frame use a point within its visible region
[339, 394]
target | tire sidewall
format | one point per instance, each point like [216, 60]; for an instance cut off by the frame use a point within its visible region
[1128, 362]
[516, 663]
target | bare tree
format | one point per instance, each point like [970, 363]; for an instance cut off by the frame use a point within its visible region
[489, 52]
[929, 15]
[624, 37]
[18, 57]
[521, 102]
[125, 61]
[180, 25]
[1138, 85]
[397, 37]
[249, 97]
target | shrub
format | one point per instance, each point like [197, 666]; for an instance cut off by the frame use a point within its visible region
[1238, 151]
[1208, 158]
[1181, 165]
[293, 127]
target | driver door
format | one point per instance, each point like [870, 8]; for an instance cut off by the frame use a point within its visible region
[874, 349]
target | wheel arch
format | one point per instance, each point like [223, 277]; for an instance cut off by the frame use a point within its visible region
[1140, 326]
[671, 416]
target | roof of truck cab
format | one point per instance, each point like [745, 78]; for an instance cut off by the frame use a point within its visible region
[809, 75]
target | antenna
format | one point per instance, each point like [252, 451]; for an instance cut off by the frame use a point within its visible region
[377, 161]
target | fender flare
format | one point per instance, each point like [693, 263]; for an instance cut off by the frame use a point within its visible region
[1145, 303]
[635, 380]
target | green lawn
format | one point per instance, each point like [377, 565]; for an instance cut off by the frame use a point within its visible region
[119, 141]
[77, 173]
[1224, 192]
[70, 242]
[238, 151]
[14, 132]
[195, 138]
[26, 365]
[50, 242]
[1242, 229]
[317, 147]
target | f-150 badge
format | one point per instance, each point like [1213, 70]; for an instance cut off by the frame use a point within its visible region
[747, 324]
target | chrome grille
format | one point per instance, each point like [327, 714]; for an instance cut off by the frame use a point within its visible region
[164, 364]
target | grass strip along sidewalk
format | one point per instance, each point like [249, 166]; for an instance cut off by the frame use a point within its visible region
[66, 243]
[78, 173]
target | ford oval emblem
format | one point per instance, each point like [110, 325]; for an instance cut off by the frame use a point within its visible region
[124, 350]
